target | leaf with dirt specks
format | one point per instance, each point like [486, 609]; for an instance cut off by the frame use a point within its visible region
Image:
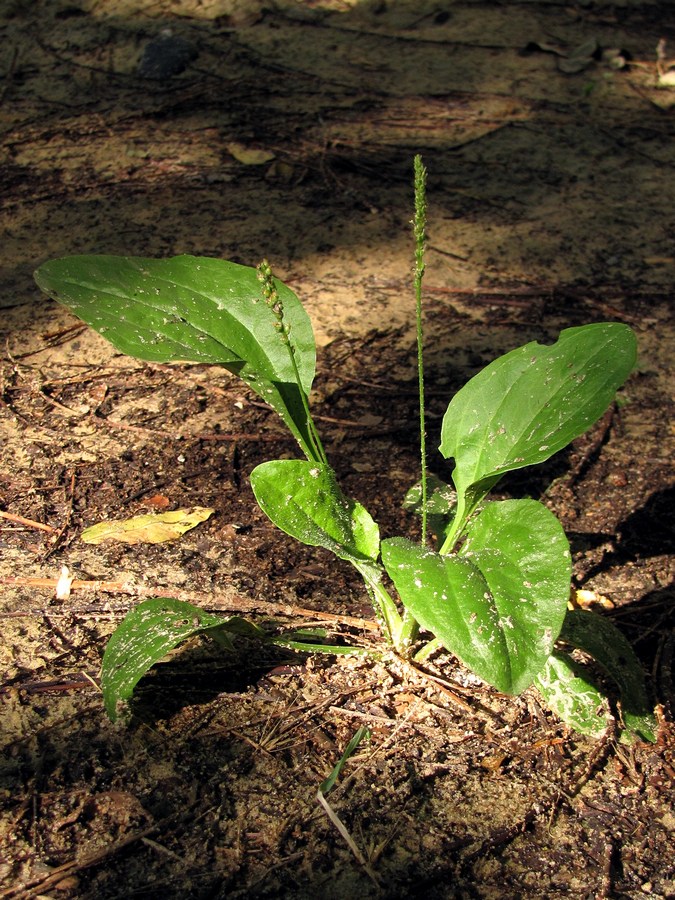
[147, 633]
[304, 500]
[198, 309]
[499, 603]
[530, 403]
[601, 639]
[568, 689]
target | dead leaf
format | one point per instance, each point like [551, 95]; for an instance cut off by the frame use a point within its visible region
[281, 170]
[249, 156]
[579, 58]
[667, 79]
[495, 762]
[157, 501]
[370, 419]
[148, 529]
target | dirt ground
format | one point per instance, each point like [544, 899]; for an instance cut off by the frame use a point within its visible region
[243, 129]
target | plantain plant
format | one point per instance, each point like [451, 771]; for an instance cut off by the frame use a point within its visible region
[492, 587]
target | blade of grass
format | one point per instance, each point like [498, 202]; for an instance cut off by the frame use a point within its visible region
[326, 786]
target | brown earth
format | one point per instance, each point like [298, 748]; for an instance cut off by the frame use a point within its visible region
[290, 134]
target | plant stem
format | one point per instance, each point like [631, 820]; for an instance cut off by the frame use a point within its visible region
[331, 649]
[315, 440]
[419, 231]
[383, 604]
[467, 502]
[408, 634]
[318, 452]
[453, 533]
[409, 625]
[427, 650]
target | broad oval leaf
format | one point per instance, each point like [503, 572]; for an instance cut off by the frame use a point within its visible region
[450, 598]
[499, 605]
[147, 633]
[198, 309]
[523, 553]
[569, 691]
[304, 500]
[602, 640]
[531, 402]
[188, 307]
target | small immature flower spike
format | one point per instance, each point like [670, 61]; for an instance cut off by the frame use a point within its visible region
[272, 299]
[275, 303]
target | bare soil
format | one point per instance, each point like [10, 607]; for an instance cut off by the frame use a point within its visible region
[287, 130]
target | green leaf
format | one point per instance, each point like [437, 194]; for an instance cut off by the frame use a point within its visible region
[147, 633]
[530, 403]
[441, 504]
[363, 733]
[499, 604]
[602, 640]
[193, 308]
[568, 690]
[304, 500]
[313, 640]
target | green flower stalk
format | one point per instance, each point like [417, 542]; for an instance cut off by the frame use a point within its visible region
[274, 302]
[410, 626]
[419, 232]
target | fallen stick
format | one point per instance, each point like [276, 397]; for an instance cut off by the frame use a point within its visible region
[217, 602]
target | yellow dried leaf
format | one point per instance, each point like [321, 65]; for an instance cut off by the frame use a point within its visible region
[667, 79]
[148, 529]
[249, 156]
